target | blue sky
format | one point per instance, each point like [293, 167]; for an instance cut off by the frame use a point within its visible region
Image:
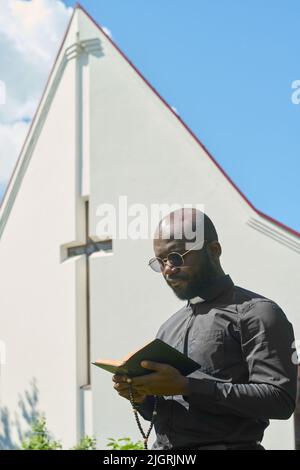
[227, 66]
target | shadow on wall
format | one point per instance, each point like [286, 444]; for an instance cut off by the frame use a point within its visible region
[11, 428]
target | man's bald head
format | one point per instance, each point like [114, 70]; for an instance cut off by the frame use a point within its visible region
[189, 225]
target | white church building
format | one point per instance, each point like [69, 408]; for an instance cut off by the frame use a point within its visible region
[69, 294]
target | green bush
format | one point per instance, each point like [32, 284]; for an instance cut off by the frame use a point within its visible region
[86, 443]
[115, 444]
[38, 437]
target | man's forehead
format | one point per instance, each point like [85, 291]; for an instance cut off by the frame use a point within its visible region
[167, 245]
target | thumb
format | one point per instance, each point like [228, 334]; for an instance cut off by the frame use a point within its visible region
[152, 365]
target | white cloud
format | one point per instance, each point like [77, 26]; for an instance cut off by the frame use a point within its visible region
[2, 92]
[175, 110]
[30, 34]
[107, 31]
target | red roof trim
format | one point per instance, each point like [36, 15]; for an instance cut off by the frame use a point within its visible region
[79, 6]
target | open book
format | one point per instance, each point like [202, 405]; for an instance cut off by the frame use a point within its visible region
[156, 351]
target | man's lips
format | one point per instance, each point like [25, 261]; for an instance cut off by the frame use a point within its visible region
[175, 281]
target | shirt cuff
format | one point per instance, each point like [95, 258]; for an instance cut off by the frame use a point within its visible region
[200, 389]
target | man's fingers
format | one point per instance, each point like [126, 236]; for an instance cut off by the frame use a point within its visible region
[122, 390]
[124, 393]
[121, 386]
[143, 379]
[119, 378]
[154, 365]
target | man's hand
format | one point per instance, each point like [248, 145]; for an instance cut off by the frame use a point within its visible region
[166, 380]
[123, 389]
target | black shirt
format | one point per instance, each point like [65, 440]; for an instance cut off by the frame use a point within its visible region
[244, 344]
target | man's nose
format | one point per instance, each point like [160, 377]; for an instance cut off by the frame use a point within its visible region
[170, 269]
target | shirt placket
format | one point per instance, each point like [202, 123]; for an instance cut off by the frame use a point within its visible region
[187, 331]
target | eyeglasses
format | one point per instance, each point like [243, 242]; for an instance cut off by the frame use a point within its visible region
[174, 259]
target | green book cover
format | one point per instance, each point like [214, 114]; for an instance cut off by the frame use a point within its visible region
[156, 351]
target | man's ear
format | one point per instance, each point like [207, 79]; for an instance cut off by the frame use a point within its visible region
[215, 249]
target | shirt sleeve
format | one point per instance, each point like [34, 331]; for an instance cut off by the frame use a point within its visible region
[146, 408]
[267, 341]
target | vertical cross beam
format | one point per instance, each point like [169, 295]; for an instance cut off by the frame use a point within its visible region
[88, 249]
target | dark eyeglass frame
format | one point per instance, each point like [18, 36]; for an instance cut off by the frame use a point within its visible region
[162, 262]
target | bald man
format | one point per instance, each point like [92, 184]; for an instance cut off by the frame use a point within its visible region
[241, 339]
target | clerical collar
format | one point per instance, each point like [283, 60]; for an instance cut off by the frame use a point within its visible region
[212, 290]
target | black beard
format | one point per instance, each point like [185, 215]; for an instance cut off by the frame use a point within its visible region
[207, 275]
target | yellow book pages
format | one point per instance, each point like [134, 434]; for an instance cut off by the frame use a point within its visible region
[109, 362]
[119, 363]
